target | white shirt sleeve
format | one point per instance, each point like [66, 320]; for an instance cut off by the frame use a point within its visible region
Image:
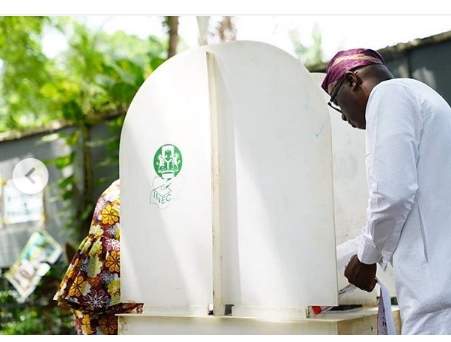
[393, 125]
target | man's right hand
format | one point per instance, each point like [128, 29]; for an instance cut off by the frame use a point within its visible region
[361, 275]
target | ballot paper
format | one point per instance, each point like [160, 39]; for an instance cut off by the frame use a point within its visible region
[385, 323]
[345, 251]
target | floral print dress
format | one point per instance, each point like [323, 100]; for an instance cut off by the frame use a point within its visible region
[91, 286]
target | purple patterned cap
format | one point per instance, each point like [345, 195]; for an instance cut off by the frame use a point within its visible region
[347, 60]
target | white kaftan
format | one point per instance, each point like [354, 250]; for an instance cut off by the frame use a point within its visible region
[409, 208]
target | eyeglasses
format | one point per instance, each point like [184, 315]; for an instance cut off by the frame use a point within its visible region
[332, 102]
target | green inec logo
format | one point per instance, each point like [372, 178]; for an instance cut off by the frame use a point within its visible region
[167, 161]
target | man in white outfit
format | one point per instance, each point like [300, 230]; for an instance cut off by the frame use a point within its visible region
[408, 157]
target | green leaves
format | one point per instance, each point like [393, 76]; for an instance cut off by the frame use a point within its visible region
[155, 62]
[72, 112]
[64, 161]
[309, 55]
[24, 70]
[97, 74]
[39, 314]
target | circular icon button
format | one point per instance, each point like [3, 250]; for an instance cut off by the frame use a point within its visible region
[30, 176]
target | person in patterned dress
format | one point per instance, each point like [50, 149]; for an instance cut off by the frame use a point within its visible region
[91, 286]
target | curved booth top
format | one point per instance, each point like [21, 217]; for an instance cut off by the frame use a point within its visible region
[227, 186]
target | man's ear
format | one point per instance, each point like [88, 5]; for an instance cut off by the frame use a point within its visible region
[353, 80]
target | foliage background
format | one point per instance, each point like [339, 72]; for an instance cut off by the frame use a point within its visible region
[92, 81]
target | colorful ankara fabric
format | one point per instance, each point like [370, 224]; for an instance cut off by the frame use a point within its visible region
[91, 286]
[347, 60]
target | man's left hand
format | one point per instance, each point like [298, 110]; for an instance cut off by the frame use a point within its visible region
[361, 275]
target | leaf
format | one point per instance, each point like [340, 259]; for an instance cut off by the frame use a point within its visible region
[64, 161]
[72, 111]
[73, 138]
[123, 92]
[65, 182]
[68, 194]
[155, 62]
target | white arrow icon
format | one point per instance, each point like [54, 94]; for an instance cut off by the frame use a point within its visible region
[30, 176]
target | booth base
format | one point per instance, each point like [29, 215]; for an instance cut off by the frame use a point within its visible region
[351, 322]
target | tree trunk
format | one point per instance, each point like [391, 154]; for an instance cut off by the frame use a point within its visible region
[172, 24]
[87, 204]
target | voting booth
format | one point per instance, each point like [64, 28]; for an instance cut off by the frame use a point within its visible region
[227, 196]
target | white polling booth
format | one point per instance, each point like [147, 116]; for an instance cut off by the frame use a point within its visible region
[227, 196]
